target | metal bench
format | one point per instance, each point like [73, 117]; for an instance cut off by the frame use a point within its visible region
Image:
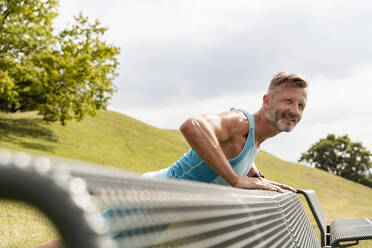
[99, 207]
[338, 231]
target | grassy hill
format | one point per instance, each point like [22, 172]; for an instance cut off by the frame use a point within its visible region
[108, 139]
[113, 139]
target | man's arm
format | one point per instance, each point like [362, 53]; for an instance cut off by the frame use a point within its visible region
[206, 132]
[51, 244]
[253, 170]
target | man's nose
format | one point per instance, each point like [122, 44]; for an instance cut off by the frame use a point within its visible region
[295, 113]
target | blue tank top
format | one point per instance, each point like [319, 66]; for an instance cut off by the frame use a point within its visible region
[191, 167]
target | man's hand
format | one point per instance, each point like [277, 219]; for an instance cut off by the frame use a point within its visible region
[261, 183]
[51, 244]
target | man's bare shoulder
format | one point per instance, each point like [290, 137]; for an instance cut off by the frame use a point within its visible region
[233, 122]
[228, 126]
[234, 118]
[239, 123]
[225, 125]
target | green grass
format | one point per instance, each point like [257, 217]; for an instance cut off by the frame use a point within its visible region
[113, 139]
[110, 139]
[21, 225]
[340, 198]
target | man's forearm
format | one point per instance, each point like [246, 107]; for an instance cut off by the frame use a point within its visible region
[253, 170]
[51, 244]
[204, 141]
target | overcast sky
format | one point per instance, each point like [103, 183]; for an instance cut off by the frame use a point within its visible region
[186, 57]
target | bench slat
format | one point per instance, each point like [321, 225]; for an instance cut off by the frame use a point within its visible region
[297, 220]
[350, 230]
[339, 230]
[100, 208]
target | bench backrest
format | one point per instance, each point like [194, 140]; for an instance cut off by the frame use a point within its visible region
[95, 207]
[317, 211]
[297, 220]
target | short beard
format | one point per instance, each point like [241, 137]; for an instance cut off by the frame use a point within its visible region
[274, 117]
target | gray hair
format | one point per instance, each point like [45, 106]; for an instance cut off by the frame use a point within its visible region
[290, 78]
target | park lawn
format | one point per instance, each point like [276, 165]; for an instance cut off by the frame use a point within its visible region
[109, 139]
[340, 198]
[22, 225]
[115, 140]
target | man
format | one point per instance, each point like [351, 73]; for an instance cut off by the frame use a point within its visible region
[225, 145]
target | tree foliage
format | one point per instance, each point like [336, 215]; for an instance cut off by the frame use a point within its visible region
[63, 75]
[340, 156]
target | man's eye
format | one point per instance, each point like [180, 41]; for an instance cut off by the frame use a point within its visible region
[288, 100]
[301, 106]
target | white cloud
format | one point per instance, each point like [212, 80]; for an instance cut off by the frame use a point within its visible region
[173, 115]
[181, 58]
[340, 106]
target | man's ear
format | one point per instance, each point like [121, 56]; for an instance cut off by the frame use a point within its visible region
[266, 101]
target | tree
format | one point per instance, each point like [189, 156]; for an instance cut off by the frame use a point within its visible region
[62, 75]
[340, 156]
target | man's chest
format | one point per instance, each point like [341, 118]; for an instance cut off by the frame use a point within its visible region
[233, 146]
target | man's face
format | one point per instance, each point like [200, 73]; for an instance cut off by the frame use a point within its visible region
[284, 106]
